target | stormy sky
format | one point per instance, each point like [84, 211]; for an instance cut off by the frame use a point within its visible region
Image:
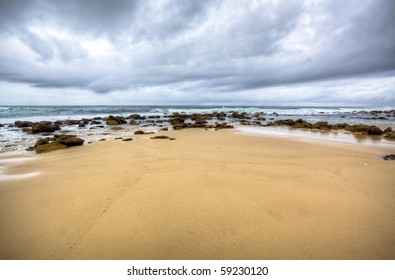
[230, 52]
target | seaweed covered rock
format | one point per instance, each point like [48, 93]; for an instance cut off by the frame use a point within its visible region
[40, 142]
[321, 126]
[57, 142]
[135, 117]
[21, 124]
[72, 122]
[340, 126]
[69, 140]
[49, 147]
[222, 126]
[358, 128]
[390, 135]
[374, 130]
[302, 124]
[45, 127]
[111, 120]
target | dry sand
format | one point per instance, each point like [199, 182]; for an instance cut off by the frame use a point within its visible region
[206, 195]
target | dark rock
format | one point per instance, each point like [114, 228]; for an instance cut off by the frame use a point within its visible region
[102, 140]
[44, 127]
[390, 135]
[388, 129]
[160, 137]
[164, 129]
[49, 147]
[222, 126]
[69, 140]
[178, 126]
[95, 122]
[339, 126]
[374, 130]
[30, 149]
[321, 126]
[240, 116]
[71, 122]
[133, 122]
[358, 128]
[302, 124]
[23, 124]
[41, 142]
[127, 139]
[389, 157]
[111, 120]
[135, 116]
[138, 132]
[172, 138]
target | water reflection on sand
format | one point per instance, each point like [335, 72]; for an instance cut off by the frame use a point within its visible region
[327, 136]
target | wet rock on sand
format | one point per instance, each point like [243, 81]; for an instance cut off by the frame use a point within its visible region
[40, 142]
[389, 157]
[49, 147]
[390, 135]
[57, 142]
[69, 140]
[160, 137]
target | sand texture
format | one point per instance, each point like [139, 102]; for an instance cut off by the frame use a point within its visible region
[205, 195]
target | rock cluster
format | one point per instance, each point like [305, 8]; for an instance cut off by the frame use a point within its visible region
[179, 121]
[37, 127]
[56, 142]
[360, 128]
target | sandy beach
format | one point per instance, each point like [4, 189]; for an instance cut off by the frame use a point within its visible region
[206, 195]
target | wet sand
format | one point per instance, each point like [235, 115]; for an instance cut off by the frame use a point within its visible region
[206, 195]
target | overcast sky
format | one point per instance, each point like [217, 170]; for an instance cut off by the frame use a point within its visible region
[261, 52]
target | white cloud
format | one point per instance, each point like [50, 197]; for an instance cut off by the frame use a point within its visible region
[197, 51]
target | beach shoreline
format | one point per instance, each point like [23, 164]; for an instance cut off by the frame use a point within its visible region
[206, 195]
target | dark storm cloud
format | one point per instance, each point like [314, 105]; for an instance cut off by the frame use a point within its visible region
[212, 46]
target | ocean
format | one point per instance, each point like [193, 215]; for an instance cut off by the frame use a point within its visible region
[14, 141]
